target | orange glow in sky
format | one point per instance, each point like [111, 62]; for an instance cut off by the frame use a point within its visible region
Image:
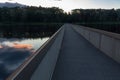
[18, 46]
[1, 46]
[25, 46]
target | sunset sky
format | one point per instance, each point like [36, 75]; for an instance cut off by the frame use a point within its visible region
[67, 5]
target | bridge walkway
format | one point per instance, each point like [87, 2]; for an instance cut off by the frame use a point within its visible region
[79, 60]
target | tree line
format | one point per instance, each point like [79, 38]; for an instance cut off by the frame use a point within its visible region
[31, 14]
[54, 14]
[95, 15]
[105, 19]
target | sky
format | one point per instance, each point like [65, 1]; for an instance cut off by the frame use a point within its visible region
[68, 5]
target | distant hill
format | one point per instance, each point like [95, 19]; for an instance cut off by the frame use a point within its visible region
[7, 4]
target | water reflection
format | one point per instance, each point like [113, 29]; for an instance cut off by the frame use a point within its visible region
[19, 40]
[14, 51]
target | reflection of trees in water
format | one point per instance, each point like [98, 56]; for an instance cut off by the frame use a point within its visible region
[28, 31]
[11, 56]
[26, 34]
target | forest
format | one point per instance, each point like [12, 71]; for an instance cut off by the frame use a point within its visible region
[54, 14]
[38, 15]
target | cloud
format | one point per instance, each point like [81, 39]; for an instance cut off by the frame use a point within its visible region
[16, 45]
[10, 59]
[24, 46]
[67, 5]
[1, 46]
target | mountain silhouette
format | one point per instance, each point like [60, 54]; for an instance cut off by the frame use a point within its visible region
[8, 4]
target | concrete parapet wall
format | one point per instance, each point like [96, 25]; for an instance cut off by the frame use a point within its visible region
[47, 65]
[95, 39]
[107, 42]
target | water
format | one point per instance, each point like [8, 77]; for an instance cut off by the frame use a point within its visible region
[13, 51]
[18, 41]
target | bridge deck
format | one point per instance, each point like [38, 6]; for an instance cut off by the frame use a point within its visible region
[79, 60]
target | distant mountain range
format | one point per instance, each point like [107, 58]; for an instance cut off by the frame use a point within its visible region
[8, 4]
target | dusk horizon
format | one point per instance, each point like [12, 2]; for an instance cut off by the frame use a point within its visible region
[68, 5]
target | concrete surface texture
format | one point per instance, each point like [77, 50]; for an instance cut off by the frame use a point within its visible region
[107, 42]
[80, 60]
[47, 65]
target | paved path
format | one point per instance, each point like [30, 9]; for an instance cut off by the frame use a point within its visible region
[79, 60]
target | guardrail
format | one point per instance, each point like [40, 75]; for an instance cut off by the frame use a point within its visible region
[26, 70]
[107, 42]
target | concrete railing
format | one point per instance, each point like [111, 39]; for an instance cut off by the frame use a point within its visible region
[107, 42]
[46, 57]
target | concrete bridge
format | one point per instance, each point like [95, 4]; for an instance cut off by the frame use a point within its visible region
[74, 53]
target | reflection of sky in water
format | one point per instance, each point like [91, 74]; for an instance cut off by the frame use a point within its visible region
[14, 51]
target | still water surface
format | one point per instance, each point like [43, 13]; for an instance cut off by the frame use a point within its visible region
[13, 51]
